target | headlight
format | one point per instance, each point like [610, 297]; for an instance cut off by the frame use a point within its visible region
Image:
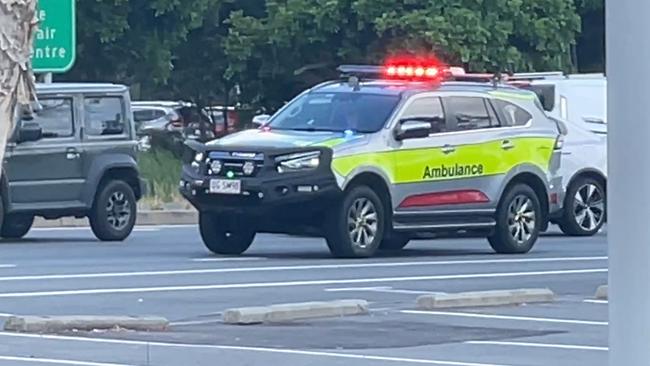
[215, 166]
[298, 162]
[248, 168]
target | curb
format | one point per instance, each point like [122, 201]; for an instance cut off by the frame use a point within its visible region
[298, 311]
[484, 298]
[167, 217]
[53, 324]
[602, 293]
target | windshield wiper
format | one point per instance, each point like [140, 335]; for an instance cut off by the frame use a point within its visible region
[314, 129]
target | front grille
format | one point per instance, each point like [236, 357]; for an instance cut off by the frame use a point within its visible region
[232, 163]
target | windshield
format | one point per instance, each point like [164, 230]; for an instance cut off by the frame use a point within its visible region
[336, 112]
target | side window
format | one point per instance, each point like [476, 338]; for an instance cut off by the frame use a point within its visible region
[143, 115]
[427, 109]
[56, 118]
[470, 113]
[512, 114]
[104, 116]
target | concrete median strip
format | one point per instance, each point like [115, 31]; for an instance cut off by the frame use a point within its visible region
[52, 324]
[291, 312]
[484, 298]
[602, 293]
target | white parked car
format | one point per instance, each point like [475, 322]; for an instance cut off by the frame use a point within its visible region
[580, 99]
[584, 178]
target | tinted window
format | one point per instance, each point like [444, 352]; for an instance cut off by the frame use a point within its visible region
[512, 114]
[55, 117]
[147, 114]
[427, 109]
[336, 112]
[469, 113]
[104, 116]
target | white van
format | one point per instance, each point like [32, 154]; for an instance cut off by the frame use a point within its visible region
[578, 98]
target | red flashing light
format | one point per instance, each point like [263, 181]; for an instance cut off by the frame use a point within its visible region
[409, 68]
[445, 198]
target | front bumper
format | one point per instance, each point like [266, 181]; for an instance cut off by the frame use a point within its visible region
[273, 202]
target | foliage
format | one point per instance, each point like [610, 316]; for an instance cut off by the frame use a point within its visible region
[483, 35]
[201, 49]
[134, 41]
[162, 170]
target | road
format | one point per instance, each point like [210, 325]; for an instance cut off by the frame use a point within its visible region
[166, 271]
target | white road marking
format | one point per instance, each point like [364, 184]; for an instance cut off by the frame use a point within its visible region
[56, 361]
[252, 349]
[283, 268]
[540, 345]
[7, 266]
[241, 259]
[593, 301]
[505, 317]
[124, 290]
[388, 290]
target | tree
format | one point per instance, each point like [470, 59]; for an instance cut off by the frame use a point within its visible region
[133, 41]
[17, 29]
[590, 51]
[297, 42]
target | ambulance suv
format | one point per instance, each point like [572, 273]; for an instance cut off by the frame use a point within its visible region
[378, 157]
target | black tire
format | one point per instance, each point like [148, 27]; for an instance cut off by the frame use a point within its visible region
[337, 228]
[15, 226]
[595, 202]
[224, 235]
[394, 242]
[519, 212]
[114, 211]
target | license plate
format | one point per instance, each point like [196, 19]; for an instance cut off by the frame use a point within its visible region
[225, 186]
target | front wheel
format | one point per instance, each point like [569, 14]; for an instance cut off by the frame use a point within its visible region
[113, 214]
[519, 220]
[223, 235]
[584, 208]
[355, 226]
[15, 226]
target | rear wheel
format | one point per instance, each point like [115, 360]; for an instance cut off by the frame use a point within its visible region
[355, 227]
[113, 214]
[519, 220]
[584, 208]
[224, 235]
[15, 226]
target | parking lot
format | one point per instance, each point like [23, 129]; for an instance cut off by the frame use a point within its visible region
[165, 271]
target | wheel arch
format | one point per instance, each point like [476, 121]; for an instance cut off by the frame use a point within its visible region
[538, 185]
[588, 173]
[112, 166]
[378, 184]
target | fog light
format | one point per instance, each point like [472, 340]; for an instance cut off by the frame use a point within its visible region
[249, 168]
[260, 195]
[215, 166]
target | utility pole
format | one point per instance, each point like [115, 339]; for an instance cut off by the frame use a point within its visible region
[628, 89]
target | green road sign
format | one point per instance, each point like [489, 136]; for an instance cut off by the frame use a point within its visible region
[55, 43]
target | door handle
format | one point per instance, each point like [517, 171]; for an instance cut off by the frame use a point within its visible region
[72, 154]
[448, 149]
[507, 145]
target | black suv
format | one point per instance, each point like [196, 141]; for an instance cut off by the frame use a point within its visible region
[76, 156]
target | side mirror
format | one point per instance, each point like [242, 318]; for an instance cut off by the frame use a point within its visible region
[260, 119]
[412, 129]
[29, 131]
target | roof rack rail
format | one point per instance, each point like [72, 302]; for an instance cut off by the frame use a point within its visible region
[537, 75]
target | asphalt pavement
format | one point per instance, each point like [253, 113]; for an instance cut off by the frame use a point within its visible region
[165, 271]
